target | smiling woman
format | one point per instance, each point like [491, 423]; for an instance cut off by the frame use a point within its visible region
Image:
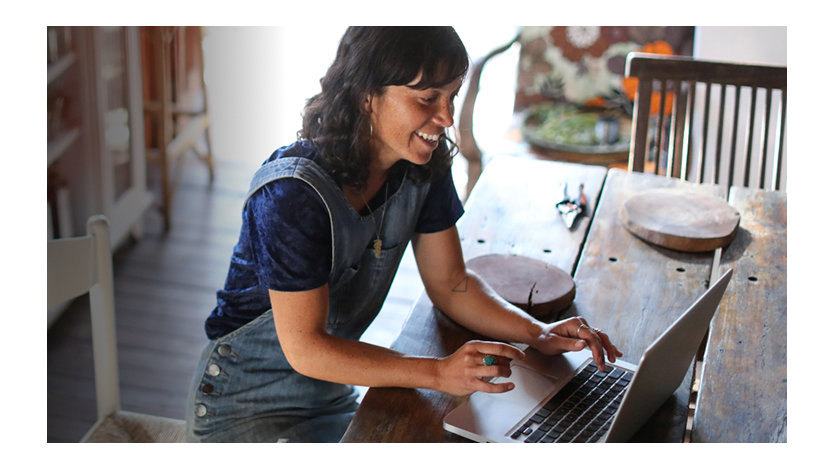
[324, 227]
[320, 242]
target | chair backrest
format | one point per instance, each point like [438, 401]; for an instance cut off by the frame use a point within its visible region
[683, 123]
[80, 265]
[466, 137]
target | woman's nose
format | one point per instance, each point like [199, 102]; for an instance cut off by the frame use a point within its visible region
[444, 114]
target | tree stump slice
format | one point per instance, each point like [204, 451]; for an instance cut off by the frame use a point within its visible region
[537, 287]
[680, 219]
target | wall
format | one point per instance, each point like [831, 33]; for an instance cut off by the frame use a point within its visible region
[759, 44]
[258, 79]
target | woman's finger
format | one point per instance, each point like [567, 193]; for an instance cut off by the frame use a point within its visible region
[493, 359]
[496, 350]
[590, 335]
[613, 351]
[489, 387]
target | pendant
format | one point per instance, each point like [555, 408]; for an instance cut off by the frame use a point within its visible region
[378, 248]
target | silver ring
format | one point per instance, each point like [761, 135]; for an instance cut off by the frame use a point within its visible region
[580, 328]
[489, 360]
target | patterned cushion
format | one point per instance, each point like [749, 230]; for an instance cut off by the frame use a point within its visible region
[584, 65]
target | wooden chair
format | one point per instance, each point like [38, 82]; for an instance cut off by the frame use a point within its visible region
[80, 265]
[176, 105]
[680, 128]
[466, 138]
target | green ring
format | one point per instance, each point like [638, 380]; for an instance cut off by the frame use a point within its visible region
[490, 360]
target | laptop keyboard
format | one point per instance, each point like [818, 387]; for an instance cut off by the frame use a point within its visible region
[582, 411]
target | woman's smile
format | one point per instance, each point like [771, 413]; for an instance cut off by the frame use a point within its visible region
[431, 140]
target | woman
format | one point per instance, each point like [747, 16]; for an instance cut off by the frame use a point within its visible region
[324, 228]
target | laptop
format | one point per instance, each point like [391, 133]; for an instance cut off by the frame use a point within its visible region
[565, 398]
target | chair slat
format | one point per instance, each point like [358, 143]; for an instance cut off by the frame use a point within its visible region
[764, 140]
[734, 138]
[640, 126]
[719, 132]
[659, 131]
[777, 178]
[690, 119]
[677, 129]
[751, 129]
[702, 157]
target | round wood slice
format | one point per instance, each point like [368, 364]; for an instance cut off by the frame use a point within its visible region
[532, 285]
[680, 219]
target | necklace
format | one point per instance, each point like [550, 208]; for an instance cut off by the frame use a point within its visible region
[378, 240]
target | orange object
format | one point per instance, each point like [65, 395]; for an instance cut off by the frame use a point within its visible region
[595, 102]
[630, 83]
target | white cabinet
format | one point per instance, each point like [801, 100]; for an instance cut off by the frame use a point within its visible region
[96, 140]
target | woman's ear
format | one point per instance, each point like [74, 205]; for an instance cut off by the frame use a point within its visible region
[368, 103]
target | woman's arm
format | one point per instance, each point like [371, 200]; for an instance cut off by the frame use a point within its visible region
[300, 322]
[465, 298]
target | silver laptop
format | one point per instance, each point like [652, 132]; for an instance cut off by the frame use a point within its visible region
[566, 398]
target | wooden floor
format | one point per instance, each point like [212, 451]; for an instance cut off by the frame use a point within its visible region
[165, 287]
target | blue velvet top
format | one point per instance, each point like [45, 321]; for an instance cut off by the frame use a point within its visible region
[285, 240]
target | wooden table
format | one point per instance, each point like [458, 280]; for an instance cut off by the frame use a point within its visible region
[634, 290]
[743, 391]
[629, 288]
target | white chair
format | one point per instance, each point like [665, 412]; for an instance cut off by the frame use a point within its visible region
[80, 265]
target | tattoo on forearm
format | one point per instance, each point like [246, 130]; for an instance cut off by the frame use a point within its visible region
[462, 285]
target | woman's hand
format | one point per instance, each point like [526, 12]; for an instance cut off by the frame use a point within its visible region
[574, 334]
[462, 373]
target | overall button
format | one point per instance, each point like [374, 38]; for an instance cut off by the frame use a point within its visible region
[214, 370]
[208, 389]
[224, 350]
[200, 410]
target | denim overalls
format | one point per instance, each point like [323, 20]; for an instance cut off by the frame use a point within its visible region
[244, 389]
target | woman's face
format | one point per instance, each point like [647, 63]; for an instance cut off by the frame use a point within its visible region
[407, 123]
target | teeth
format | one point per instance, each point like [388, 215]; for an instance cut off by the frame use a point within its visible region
[429, 137]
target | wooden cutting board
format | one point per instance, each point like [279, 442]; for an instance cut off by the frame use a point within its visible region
[680, 219]
[532, 285]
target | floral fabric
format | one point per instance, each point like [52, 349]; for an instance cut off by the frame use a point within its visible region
[585, 65]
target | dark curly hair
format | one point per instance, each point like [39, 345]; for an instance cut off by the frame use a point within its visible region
[367, 60]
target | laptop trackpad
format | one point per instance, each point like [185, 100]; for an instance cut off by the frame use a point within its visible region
[493, 416]
[530, 389]
[489, 416]
[535, 378]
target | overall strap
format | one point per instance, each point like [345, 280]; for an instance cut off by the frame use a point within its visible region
[287, 167]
